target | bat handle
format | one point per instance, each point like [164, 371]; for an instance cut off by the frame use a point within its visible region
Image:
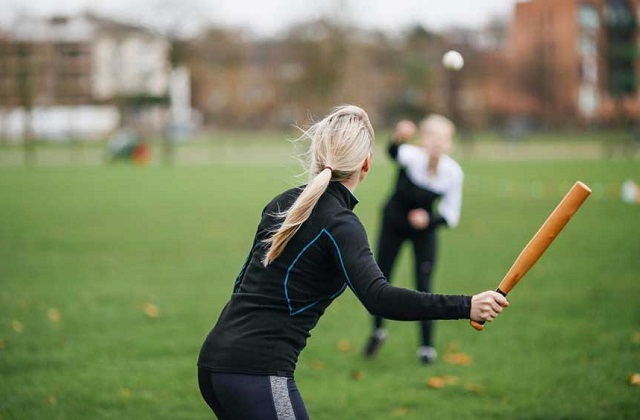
[479, 325]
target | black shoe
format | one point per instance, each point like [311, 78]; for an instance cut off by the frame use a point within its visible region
[375, 342]
[427, 355]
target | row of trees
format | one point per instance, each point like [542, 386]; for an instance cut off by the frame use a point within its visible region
[241, 81]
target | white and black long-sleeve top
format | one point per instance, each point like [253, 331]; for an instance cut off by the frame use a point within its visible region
[416, 188]
[272, 310]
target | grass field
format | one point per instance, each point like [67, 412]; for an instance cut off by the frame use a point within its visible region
[111, 276]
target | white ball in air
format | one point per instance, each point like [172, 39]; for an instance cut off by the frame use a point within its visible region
[452, 60]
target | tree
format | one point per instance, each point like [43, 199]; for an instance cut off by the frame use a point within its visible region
[175, 20]
[320, 48]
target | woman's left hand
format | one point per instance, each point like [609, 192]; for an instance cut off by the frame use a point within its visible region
[418, 219]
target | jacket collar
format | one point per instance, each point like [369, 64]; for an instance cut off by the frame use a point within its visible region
[343, 194]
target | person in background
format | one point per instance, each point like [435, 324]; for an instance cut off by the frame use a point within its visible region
[428, 179]
[309, 248]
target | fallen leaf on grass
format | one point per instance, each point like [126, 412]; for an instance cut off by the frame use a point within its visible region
[438, 382]
[124, 393]
[17, 326]
[317, 365]
[450, 380]
[453, 357]
[452, 347]
[457, 359]
[54, 315]
[356, 375]
[400, 411]
[3, 344]
[471, 387]
[634, 379]
[435, 382]
[151, 310]
[344, 345]
[635, 338]
[52, 400]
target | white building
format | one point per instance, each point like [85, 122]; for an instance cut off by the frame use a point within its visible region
[78, 65]
[128, 60]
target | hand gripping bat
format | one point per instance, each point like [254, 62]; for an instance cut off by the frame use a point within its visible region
[549, 230]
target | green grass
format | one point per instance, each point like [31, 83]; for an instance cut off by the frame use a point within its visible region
[100, 243]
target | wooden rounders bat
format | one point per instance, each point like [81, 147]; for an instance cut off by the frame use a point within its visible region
[549, 230]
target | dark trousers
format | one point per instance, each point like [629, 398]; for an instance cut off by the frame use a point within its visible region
[392, 236]
[234, 396]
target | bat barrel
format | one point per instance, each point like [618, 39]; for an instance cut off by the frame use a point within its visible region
[547, 233]
[549, 230]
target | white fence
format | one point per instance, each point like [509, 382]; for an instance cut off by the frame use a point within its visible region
[60, 123]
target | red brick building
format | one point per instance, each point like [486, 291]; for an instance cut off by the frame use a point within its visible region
[561, 56]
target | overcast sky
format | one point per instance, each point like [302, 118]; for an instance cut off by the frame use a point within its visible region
[268, 17]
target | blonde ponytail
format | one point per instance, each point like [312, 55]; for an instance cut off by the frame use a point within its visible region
[339, 145]
[298, 213]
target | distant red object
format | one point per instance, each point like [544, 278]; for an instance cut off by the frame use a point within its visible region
[141, 154]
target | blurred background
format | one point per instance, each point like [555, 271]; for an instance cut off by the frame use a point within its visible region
[140, 139]
[167, 71]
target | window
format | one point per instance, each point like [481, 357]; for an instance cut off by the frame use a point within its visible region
[618, 13]
[588, 16]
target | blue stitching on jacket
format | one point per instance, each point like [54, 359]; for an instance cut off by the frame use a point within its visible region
[344, 270]
[286, 279]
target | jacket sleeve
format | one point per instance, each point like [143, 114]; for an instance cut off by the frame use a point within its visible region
[392, 150]
[350, 249]
[449, 207]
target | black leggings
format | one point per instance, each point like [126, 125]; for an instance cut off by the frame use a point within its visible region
[424, 251]
[234, 396]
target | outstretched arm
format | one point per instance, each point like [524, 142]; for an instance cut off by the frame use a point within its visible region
[351, 252]
[404, 131]
[350, 248]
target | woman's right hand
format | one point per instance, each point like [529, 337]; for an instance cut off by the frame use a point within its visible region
[418, 219]
[404, 130]
[486, 306]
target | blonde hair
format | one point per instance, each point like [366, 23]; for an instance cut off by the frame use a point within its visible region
[339, 145]
[437, 121]
[437, 128]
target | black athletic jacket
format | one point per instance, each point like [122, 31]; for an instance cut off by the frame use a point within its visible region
[272, 310]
